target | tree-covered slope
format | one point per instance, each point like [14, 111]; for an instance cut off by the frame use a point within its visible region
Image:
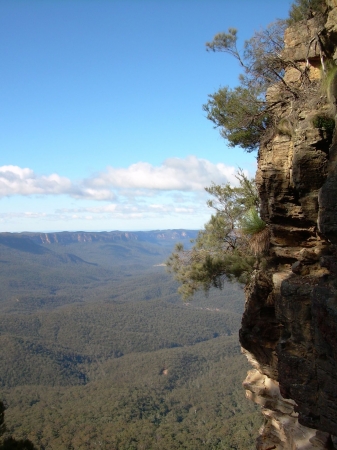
[180, 398]
[98, 350]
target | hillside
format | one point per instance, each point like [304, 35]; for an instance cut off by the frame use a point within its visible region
[39, 271]
[97, 348]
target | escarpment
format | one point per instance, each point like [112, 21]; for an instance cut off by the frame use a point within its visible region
[289, 327]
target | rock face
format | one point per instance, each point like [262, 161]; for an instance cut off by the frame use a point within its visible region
[289, 327]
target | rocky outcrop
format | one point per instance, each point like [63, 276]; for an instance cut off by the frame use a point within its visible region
[289, 327]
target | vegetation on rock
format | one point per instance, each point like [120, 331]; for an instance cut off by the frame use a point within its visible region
[243, 114]
[304, 9]
[324, 122]
[226, 248]
[248, 115]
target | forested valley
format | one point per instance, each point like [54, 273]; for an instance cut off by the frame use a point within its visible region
[99, 351]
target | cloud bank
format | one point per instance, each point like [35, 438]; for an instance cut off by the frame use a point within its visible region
[138, 180]
[141, 196]
[189, 174]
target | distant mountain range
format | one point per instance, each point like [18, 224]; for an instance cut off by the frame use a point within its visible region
[47, 266]
[71, 237]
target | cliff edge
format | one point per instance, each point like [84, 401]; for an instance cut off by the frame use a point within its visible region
[289, 327]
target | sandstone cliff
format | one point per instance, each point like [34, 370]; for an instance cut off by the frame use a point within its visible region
[289, 328]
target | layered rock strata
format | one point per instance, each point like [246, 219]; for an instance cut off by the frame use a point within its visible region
[289, 327]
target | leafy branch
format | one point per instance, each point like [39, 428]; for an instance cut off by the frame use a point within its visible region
[223, 250]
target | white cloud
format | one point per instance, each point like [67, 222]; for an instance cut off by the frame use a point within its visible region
[154, 213]
[15, 180]
[140, 180]
[140, 210]
[189, 174]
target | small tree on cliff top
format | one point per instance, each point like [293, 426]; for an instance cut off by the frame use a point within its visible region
[242, 113]
[304, 9]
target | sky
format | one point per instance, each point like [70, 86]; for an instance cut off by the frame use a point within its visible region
[101, 119]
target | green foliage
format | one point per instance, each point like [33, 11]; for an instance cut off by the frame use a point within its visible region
[242, 113]
[233, 201]
[259, 237]
[225, 42]
[251, 223]
[303, 9]
[66, 346]
[324, 122]
[238, 113]
[264, 65]
[180, 398]
[221, 251]
[9, 443]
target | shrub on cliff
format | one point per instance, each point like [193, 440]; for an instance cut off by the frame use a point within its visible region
[242, 114]
[223, 250]
[303, 9]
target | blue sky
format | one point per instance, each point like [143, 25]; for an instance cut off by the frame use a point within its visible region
[101, 120]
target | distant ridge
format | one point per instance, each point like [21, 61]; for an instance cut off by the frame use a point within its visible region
[18, 241]
[21, 242]
[71, 237]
